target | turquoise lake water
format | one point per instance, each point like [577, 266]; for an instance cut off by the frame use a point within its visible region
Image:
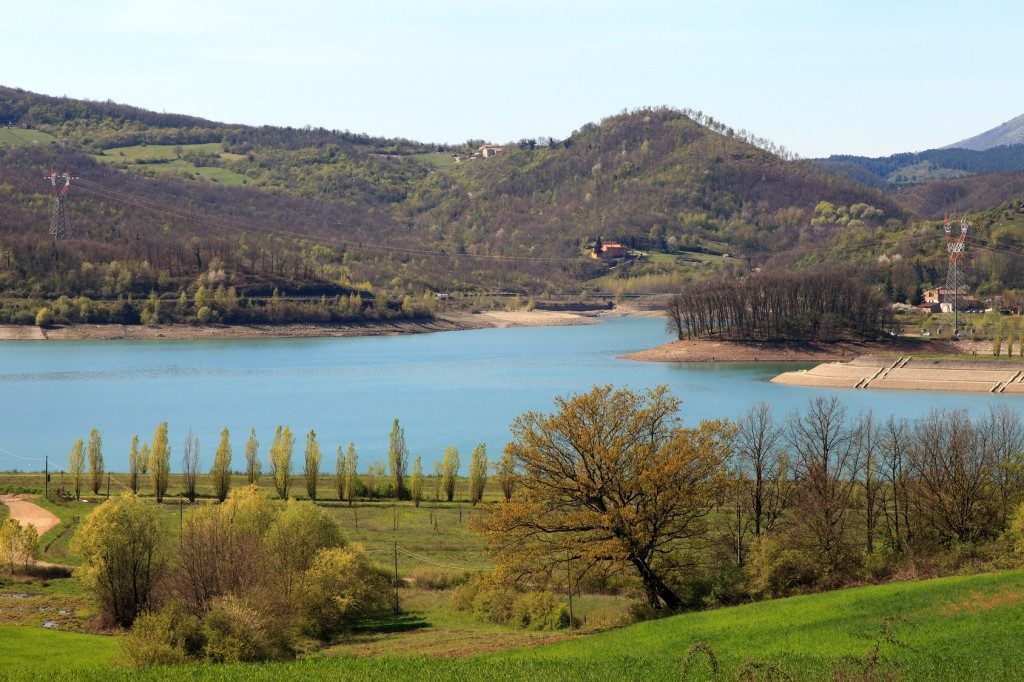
[457, 388]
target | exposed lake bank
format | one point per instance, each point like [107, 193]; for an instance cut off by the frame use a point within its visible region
[913, 374]
[454, 321]
[717, 350]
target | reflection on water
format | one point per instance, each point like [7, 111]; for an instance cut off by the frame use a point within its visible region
[456, 388]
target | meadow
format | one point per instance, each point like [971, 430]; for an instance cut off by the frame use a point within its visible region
[946, 628]
[168, 158]
[17, 137]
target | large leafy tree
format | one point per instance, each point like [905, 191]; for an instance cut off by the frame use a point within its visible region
[610, 482]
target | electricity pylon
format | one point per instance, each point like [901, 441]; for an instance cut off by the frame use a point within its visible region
[60, 222]
[956, 247]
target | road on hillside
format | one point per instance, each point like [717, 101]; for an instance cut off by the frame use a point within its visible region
[28, 512]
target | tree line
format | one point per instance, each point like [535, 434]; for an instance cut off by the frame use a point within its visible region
[152, 460]
[824, 304]
[613, 492]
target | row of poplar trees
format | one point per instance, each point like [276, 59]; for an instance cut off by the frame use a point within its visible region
[153, 460]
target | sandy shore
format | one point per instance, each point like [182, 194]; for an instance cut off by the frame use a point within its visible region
[26, 512]
[913, 374]
[444, 322]
[704, 350]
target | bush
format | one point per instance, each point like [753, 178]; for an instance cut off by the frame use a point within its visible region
[19, 546]
[1016, 531]
[776, 571]
[424, 578]
[341, 587]
[498, 603]
[237, 630]
[164, 637]
[44, 317]
[540, 611]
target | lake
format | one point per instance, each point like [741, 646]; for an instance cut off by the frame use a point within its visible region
[449, 388]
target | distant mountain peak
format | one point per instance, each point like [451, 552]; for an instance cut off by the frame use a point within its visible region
[1011, 132]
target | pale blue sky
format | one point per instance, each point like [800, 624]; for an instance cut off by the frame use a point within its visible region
[828, 77]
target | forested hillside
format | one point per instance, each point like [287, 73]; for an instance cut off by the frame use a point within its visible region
[168, 203]
[932, 165]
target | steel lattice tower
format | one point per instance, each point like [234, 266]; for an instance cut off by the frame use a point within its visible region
[956, 247]
[60, 222]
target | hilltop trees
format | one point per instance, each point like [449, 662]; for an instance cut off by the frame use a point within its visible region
[95, 460]
[398, 459]
[160, 462]
[220, 473]
[76, 460]
[612, 481]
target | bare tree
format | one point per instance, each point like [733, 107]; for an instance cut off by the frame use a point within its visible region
[759, 456]
[893, 498]
[190, 465]
[868, 442]
[1005, 432]
[826, 460]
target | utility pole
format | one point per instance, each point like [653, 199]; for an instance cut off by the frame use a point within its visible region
[568, 586]
[108, 485]
[396, 579]
[46, 477]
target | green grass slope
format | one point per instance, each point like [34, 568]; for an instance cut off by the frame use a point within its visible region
[951, 628]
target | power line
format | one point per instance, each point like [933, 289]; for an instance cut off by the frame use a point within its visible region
[27, 459]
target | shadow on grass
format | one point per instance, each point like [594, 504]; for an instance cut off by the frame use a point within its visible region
[385, 625]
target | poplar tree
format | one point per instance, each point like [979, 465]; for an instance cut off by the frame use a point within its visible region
[449, 471]
[351, 464]
[312, 469]
[477, 473]
[190, 465]
[398, 459]
[339, 473]
[76, 460]
[438, 474]
[506, 474]
[96, 460]
[417, 480]
[221, 471]
[160, 462]
[281, 460]
[134, 465]
[253, 469]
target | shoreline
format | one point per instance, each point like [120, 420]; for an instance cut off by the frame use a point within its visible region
[457, 321]
[910, 373]
[712, 350]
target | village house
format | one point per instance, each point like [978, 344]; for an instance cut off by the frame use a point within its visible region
[489, 150]
[609, 250]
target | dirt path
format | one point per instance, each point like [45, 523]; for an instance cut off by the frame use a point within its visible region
[28, 512]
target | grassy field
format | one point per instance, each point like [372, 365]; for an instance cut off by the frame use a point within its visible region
[16, 137]
[163, 158]
[435, 159]
[965, 628]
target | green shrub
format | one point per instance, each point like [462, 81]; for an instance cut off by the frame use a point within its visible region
[341, 587]
[170, 635]
[236, 630]
[19, 545]
[498, 603]
[540, 611]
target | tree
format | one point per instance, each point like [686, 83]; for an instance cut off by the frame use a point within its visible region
[76, 460]
[351, 464]
[19, 545]
[221, 471]
[374, 476]
[281, 460]
[449, 471]
[506, 474]
[438, 475]
[190, 465]
[252, 458]
[826, 462]
[894, 496]
[759, 455]
[95, 460]
[312, 468]
[134, 465]
[612, 481]
[869, 438]
[121, 544]
[477, 473]
[44, 317]
[398, 459]
[417, 480]
[160, 462]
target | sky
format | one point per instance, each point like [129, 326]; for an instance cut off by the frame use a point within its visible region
[820, 78]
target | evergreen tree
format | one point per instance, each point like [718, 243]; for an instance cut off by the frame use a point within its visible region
[221, 471]
[76, 460]
[477, 473]
[312, 469]
[398, 459]
[160, 462]
[96, 460]
[449, 471]
[253, 469]
[417, 480]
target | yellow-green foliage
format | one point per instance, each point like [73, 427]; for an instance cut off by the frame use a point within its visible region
[281, 460]
[237, 630]
[170, 635]
[1016, 530]
[495, 601]
[294, 539]
[19, 545]
[122, 544]
[339, 587]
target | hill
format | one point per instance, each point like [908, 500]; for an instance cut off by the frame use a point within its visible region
[962, 628]
[932, 165]
[314, 211]
[1009, 133]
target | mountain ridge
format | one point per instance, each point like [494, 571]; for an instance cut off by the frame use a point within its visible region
[1008, 133]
